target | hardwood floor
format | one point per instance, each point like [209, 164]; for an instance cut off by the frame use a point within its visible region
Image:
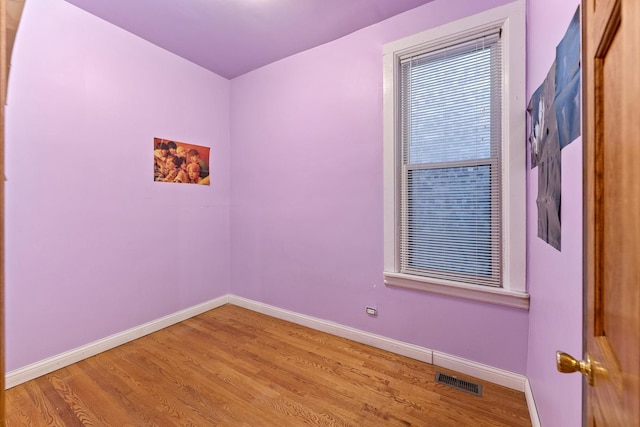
[235, 367]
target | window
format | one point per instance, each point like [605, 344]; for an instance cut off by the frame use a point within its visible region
[455, 159]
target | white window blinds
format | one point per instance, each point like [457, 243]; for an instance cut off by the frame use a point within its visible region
[451, 174]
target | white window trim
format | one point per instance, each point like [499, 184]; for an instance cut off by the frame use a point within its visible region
[511, 18]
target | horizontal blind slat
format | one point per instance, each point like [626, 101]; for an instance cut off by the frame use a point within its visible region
[451, 154]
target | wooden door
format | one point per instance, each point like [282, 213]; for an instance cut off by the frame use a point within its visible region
[10, 13]
[611, 115]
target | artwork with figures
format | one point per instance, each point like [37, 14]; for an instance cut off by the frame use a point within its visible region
[179, 162]
[554, 110]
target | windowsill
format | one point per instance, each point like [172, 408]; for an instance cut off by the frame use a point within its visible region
[489, 295]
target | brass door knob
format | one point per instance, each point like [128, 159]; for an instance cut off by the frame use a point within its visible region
[589, 368]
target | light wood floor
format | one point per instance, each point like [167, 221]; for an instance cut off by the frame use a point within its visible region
[234, 367]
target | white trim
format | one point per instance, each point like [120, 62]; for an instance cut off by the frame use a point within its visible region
[487, 294]
[35, 370]
[377, 341]
[484, 372]
[390, 160]
[497, 376]
[487, 373]
[511, 18]
[531, 404]
[459, 29]
[514, 152]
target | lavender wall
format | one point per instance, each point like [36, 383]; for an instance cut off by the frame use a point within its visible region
[306, 212]
[554, 278]
[93, 245]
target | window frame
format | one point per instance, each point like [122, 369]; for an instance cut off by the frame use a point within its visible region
[511, 20]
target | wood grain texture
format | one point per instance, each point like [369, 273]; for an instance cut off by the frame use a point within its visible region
[235, 367]
[611, 57]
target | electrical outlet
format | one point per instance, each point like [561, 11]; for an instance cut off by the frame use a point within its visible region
[372, 311]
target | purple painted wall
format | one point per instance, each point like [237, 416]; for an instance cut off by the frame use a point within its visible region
[93, 245]
[306, 191]
[554, 278]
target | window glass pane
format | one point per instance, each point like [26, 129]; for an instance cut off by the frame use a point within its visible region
[450, 107]
[450, 222]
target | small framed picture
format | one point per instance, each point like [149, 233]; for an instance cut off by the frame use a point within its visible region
[180, 163]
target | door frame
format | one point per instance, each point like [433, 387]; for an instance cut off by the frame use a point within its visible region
[617, 380]
[10, 15]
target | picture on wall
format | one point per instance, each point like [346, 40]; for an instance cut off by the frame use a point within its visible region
[545, 154]
[179, 162]
[554, 112]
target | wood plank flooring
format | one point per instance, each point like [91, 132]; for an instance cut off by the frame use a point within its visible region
[235, 367]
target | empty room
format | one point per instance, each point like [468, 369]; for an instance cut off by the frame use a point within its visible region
[362, 212]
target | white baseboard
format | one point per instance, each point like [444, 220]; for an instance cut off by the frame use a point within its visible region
[467, 367]
[531, 404]
[378, 341]
[29, 372]
[484, 372]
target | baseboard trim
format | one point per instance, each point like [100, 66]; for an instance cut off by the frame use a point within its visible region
[35, 370]
[487, 373]
[531, 404]
[497, 376]
[378, 341]
[484, 372]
